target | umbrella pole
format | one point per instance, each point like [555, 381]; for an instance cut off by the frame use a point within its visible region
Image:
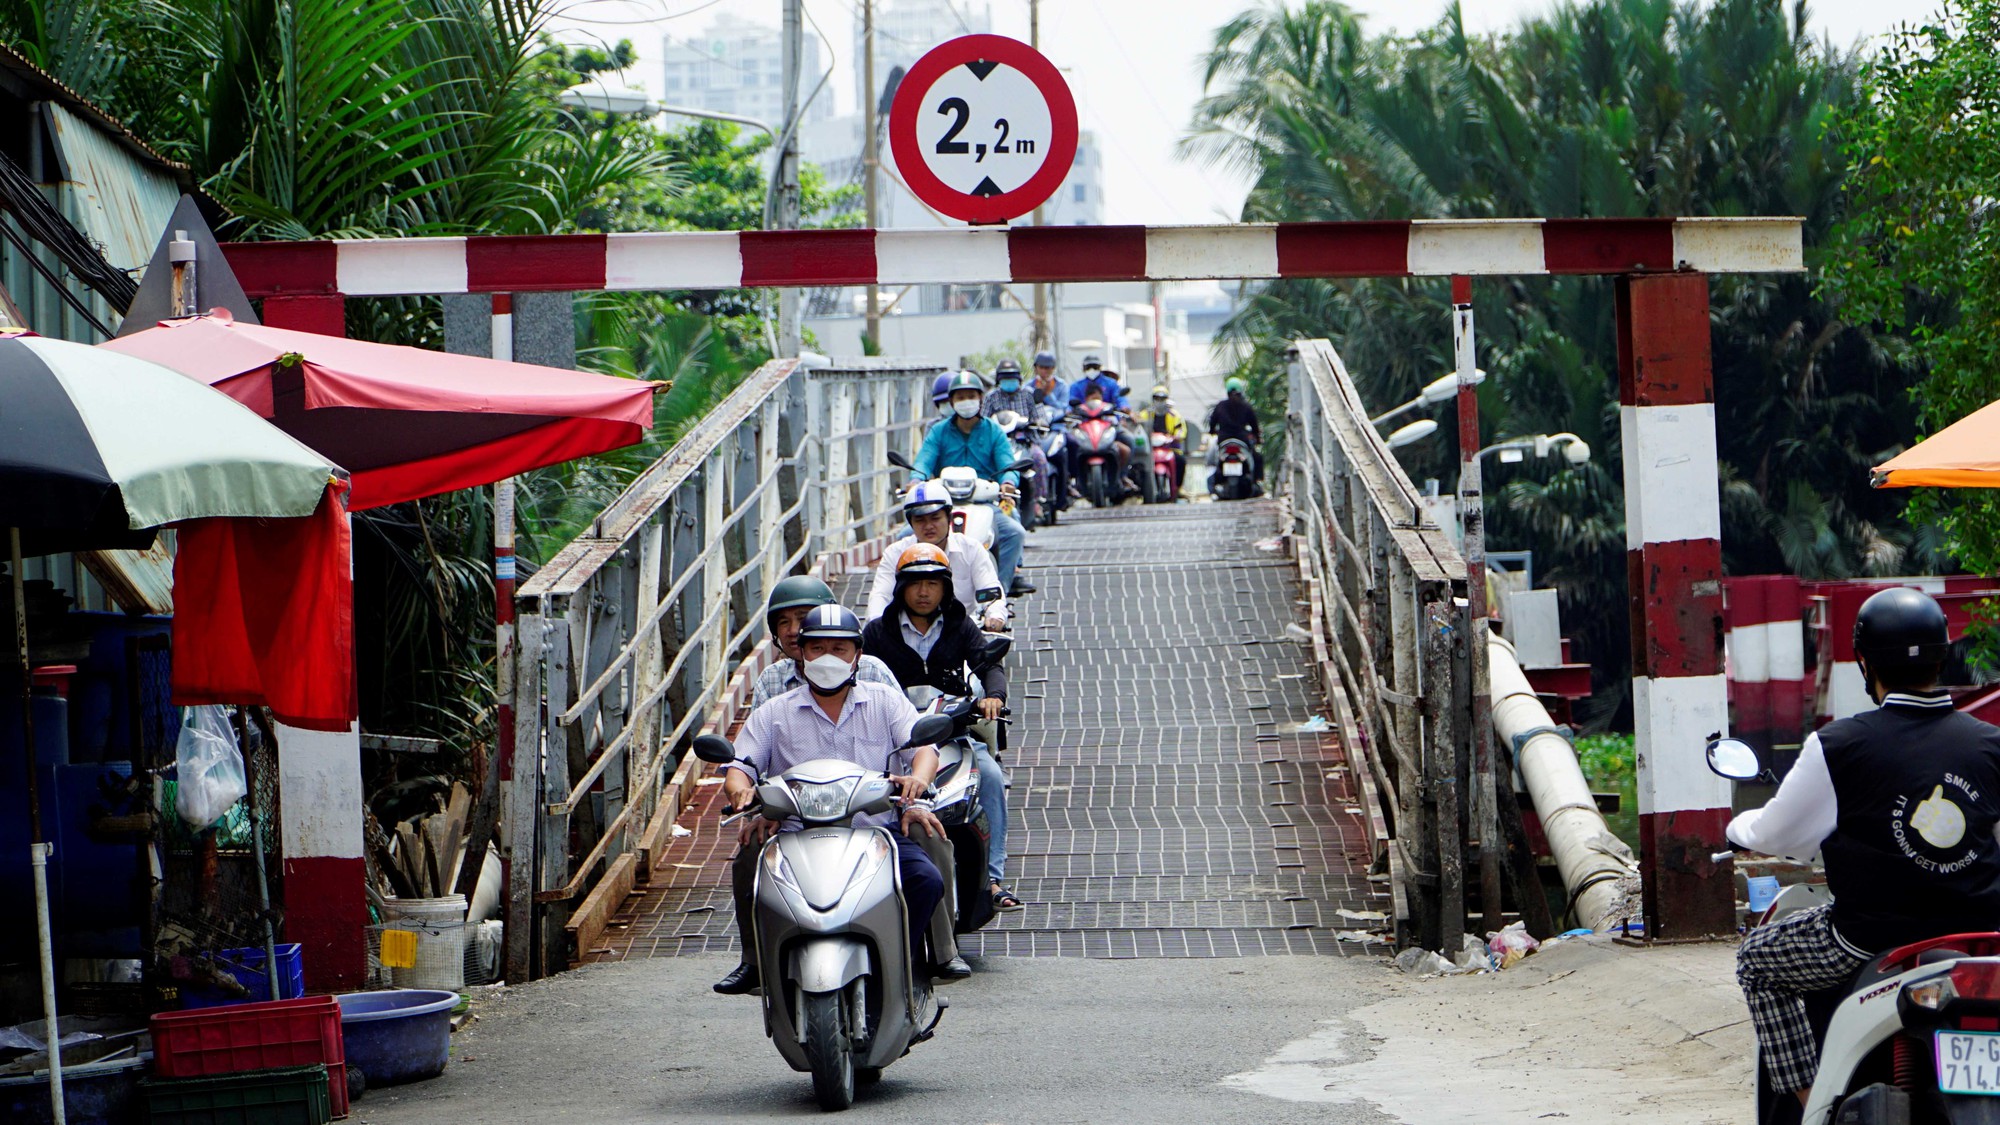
[38, 850]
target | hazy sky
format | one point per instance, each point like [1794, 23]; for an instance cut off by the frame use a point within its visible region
[1132, 65]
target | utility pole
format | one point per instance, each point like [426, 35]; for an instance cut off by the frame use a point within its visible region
[1041, 313]
[789, 335]
[870, 157]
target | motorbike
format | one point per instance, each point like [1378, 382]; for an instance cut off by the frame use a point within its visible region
[1095, 431]
[841, 999]
[1034, 479]
[966, 906]
[1053, 437]
[1233, 463]
[974, 500]
[1160, 482]
[1914, 1037]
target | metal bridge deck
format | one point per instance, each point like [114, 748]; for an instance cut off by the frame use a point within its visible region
[1163, 802]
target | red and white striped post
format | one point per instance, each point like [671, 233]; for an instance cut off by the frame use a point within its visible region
[1673, 537]
[319, 791]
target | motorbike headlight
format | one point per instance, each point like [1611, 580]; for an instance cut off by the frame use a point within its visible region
[823, 800]
[778, 869]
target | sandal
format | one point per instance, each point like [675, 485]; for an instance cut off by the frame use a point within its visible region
[1004, 899]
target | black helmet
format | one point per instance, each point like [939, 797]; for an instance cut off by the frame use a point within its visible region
[1901, 627]
[798, 591]
[1006, 367]
[831, 620]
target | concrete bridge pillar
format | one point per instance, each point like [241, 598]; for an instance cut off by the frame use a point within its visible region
[1673, 539]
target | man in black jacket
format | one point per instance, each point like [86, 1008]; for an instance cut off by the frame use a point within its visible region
[1901, 802]
[926, 637]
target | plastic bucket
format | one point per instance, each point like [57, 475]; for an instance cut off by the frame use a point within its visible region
[1762, 890]
[439, 924]
[94, 1093]
[400, 1035]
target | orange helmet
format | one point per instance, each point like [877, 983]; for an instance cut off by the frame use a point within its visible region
[922, 560]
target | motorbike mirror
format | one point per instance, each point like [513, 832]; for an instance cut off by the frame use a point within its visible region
[900, 461]
[1021, 466]
[996, 648]
[1734, 759]
[931, 730]
[714, 748]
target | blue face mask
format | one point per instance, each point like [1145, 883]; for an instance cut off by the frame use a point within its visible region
[1010, 385]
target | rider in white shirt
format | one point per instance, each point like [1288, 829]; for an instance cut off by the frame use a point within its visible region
[974, 578]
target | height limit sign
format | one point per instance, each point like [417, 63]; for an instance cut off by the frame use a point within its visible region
[983, 128]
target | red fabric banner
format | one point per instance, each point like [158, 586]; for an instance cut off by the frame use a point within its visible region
[264, 615]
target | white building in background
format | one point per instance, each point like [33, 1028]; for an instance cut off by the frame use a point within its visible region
[738, 66]
[905, 29]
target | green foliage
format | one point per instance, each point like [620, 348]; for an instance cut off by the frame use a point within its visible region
[984, 362]
[1609, 767]
[1918, 255]
[1606, 108]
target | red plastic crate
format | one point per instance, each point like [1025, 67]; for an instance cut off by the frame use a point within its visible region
[240, 1037]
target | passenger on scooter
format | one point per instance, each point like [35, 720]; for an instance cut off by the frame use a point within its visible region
[1093, 393]
[982, 446]
[1234, 417]
[1161, 418]
[926, 639]
[1108, 388]
[833, 716]
[940, 400]
[974, 581]
[1901, 803]
[1054, 394]
[791, 599]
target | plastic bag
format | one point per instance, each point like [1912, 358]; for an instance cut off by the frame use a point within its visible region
[208, 767]
[1512, 943]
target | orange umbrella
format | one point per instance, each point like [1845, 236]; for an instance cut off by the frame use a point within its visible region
[1965, 454]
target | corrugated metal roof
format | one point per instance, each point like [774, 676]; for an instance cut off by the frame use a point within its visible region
[120, 202]
[56, 92]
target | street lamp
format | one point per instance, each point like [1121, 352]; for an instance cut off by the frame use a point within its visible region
[1574, 449]
[1438, 390]
[1412, 433]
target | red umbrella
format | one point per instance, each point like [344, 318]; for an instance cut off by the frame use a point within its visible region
[405, 422]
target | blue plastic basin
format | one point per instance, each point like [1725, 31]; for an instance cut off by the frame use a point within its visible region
[397, 1035]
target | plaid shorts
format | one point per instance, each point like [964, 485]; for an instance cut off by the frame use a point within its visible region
[1777, 965]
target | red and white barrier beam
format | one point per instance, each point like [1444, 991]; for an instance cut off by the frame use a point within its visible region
[1674, 568]
[729, 259]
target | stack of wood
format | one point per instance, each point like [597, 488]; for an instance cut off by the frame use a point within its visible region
[420, 858]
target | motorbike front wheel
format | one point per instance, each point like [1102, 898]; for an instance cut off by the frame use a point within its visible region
[1095, 488]
[828, 1050]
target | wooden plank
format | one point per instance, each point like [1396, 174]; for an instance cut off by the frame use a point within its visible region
[659, 834]
[586, 926]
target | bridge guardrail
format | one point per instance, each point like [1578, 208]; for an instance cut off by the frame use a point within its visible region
[627, 641]
[1386, 589]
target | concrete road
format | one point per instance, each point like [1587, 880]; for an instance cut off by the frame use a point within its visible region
[1585, 1032]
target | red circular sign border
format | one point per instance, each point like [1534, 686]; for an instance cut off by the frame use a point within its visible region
[918, 81]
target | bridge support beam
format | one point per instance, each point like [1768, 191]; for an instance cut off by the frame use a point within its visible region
[1673, 532]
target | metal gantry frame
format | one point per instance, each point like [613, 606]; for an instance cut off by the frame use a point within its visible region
[628, 640]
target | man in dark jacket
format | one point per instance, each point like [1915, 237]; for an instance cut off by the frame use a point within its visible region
[926, 638]
[1234, 417]
[1902, 803]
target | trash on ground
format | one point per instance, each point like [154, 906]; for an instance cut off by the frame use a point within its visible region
[1511, 943]
[1295, 633]
[1275, 543]
[1315, 725]
[1362, 915]
[682, 830]
[1363, 937]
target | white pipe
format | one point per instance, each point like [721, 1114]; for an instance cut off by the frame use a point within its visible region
[1587, 854]
[38, 857]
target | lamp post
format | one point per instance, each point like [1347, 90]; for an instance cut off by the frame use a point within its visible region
[1412, 433]
[1574, 449]
[1442, 389]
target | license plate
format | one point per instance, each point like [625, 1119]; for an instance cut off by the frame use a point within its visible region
[1232, 468]
[1968, 1062]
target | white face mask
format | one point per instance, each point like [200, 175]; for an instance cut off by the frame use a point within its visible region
[966, 407]
[829, 672]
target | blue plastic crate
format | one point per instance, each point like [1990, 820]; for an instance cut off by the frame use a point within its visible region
[247, 966]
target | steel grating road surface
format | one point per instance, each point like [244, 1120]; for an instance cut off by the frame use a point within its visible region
[1163, 802]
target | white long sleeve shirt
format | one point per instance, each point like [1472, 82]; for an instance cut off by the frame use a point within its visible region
[972, 570]
[1801, 814]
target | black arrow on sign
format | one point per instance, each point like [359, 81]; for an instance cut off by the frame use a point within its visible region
[980, 68]
[987, 188]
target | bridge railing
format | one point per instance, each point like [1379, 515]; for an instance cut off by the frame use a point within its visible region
[628, 640]
[1386, 589]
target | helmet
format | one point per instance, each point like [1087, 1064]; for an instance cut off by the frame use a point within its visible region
[1901, 627]
[834, 621]
[1045, 359]
[964, 381]
[929, 496]
[1006, 367]
[940, 388]
[1234, 384]
[1160, 391]
[798, 591]
[922, 560]
[1091, 361]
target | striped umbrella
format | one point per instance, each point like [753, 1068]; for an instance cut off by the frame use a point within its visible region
[97, 449]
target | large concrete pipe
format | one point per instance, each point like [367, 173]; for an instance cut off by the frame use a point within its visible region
[1593, 862]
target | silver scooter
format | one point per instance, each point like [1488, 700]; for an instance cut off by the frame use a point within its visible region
[840, 998]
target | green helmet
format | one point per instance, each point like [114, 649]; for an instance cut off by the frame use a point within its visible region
[1233, 384]
[798, 591]
[965, 381]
